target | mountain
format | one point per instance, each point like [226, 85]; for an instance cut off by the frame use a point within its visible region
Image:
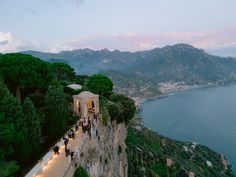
[177, 63]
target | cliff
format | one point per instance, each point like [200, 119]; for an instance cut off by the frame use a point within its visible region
[105, 155]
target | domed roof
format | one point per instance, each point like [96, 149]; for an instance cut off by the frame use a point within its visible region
[86, 94]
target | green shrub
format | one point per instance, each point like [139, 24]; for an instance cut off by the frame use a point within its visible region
[127, 103]
[99, 84]
[116, 111]
[105, 115]
[81, 172]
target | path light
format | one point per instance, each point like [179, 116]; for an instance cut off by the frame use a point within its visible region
[45, 166]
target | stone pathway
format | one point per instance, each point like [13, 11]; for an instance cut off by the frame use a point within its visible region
[57, 166]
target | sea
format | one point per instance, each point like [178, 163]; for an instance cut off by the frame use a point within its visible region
[206, 116]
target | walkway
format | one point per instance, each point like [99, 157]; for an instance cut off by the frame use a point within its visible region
[57, 166]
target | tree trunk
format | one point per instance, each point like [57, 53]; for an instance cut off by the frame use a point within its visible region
[18, 94]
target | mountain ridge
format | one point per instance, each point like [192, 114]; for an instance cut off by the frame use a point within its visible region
[170, 64]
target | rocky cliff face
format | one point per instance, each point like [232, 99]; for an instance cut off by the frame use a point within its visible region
[105, 156]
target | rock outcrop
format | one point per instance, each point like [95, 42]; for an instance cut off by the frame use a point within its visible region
[105, 155]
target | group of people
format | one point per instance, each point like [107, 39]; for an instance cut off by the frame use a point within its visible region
[68, 150]
[87, 125]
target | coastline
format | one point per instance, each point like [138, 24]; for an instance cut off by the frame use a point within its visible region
[140, 100]
[139, 120]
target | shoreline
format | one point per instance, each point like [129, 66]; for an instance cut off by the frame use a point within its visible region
[139, 119]
[140, 100]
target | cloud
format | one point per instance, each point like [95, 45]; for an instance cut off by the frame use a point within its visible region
[4, 42]
[11, 43]
[219, 42]
[135, 41]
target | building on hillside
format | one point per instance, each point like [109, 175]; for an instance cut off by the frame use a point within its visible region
[75, 86]
[84, 102]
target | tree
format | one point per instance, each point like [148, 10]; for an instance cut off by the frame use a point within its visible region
[33, 123]
[128, 105]
[63, 72]
[56, 109]
[6, 139]
[99, 84]
[12, 131]
[21, 71]
[116, 111]
[81, 172]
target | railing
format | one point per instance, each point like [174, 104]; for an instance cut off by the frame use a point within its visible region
[49, 155]
[44, 160]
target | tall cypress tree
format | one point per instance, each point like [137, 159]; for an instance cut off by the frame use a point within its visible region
[8, 167]
[33, 123]
[9, 112]
[13, 112]
[57, 110]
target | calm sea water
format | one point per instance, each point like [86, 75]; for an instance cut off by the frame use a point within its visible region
[206, 116]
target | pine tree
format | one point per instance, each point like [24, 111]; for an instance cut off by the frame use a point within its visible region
[34, 125]
[57, 110]
[13, 112]
[7, 131]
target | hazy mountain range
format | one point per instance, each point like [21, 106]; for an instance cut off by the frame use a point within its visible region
[177, 63]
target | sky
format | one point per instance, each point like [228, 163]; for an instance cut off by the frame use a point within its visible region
[127, 25]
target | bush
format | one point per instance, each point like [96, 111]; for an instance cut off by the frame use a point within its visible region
[105, 115]
[81, 172]
[116, 111]
[99, 84]
[127, 103]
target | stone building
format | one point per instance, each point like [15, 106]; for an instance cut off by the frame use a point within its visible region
[84, 102]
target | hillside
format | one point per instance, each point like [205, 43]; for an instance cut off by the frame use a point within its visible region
[35, 110]
[144, 69]
[150, 154]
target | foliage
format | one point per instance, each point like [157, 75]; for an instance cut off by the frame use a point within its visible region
[16, 69]
[37, 99]
[128, 105]
[28, 129]
[56, 109]
[105, 115]
[63, 72]
[147, 152]
[81, 79]
[116, 111]
[33, 122]
[81, 172]
[6, 138]
[99, 84]
[9, 130]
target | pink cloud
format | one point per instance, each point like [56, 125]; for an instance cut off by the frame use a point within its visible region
[209, 40]
[135, 41]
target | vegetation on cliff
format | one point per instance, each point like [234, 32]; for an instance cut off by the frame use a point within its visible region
[153, 155]
[81, 172]
[34, 111]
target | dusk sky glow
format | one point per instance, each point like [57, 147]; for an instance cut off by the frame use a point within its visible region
[56, 25]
